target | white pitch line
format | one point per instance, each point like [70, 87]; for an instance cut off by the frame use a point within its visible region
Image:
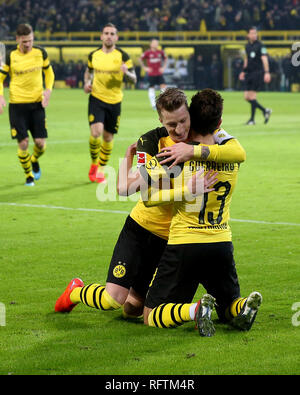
[95, 210]
[131, 139]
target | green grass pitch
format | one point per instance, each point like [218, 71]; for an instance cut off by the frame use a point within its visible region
[47, 238]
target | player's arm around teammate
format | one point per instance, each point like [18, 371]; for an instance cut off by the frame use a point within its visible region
[128, 181]
[231, 152]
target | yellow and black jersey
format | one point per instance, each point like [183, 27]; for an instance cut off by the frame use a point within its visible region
[108, 76]
[155, 219]
[204, 219]
[26, 74]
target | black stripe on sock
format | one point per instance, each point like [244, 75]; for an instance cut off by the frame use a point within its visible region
[160, 315]
[94, 297]
[179, 313]
[173, 316]
[85, 295]
[154, 317]
[100, 296]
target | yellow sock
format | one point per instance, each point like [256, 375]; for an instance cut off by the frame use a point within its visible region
[37, 152]
[95, 143]
[25, 160]
[169, 315]
[105, 152]
[94, 295]
[235, 308]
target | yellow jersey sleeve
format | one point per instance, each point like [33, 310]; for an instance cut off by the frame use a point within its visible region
[227, 149]
[231, 151]
[156, 220]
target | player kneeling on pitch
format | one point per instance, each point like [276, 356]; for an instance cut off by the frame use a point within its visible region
[199, 249]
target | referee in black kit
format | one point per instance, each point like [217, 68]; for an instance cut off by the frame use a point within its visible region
[255, 73]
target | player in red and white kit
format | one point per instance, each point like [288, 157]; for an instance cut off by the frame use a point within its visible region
[156, 62]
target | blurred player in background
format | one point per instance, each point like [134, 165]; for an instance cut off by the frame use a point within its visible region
[2, 54]
[26, 64]
[156, 62]
[103, 79]
[256, 72]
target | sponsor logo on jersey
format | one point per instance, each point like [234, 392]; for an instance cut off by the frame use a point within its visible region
[141, 158]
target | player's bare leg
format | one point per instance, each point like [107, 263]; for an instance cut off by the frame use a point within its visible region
[134, 305]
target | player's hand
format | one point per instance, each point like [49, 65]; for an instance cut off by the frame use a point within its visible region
[210, 179]
[124, 68]
[200, 184]
[131, 150]
[46, 98]
[267, 78]
[2, 104]
[242, 76]
[180, 152]
[87, 88]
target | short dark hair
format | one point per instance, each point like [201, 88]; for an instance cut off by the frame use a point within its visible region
[24, 29]
[206, 110]
[170, 100]
[109, 24]
[252, 28]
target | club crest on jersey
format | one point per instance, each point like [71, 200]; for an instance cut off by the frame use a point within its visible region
[119, 271]
[152, 164]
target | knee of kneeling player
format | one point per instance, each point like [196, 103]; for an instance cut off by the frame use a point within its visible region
[131, 310]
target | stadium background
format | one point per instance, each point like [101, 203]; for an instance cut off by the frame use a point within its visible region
[204, 40]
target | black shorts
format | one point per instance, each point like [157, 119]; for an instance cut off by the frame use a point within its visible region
[254, 81]
[135, 257]
[108, 114]
[27, 116]
[156, 80]
[183, 267]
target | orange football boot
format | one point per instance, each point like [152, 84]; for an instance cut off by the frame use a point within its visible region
[63, 303]
[93, 172]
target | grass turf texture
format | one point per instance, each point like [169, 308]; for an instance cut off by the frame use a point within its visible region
[42, 249]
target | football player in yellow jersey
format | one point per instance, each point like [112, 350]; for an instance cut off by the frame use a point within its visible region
[103, 81]
[26, 64]
[145, 232]
[199, 249]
